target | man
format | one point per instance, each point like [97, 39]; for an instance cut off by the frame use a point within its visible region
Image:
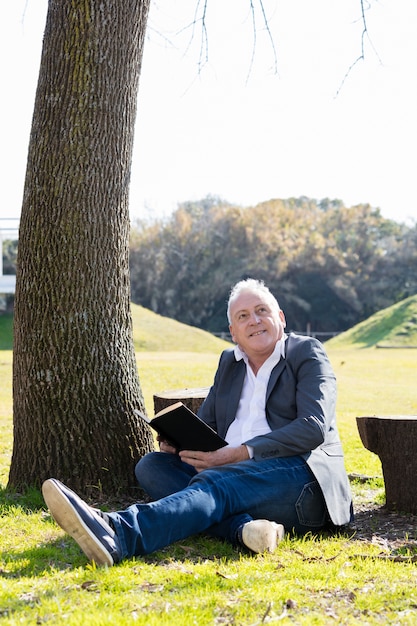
[273, 400]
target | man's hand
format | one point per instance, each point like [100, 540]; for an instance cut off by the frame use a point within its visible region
[222, 456]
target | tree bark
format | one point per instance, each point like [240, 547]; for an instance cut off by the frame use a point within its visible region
[394, 440]
[75, 376]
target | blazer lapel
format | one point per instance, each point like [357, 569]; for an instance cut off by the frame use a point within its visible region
[276, 372]
[236, 384]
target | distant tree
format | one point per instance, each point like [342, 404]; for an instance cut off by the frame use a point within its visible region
[184, 267]
[9, 256]
[331, 266]
[75, 376]
[395, 275]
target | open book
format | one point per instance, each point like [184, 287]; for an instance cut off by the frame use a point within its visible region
[183, 429]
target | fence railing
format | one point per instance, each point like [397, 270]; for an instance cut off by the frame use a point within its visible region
[9, 229]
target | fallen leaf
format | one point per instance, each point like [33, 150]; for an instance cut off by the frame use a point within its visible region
[90, 585]
[151, 588]
[227, 576]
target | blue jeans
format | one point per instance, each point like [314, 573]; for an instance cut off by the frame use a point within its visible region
[218, 500]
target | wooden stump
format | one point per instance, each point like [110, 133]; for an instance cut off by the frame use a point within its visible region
[193, 398]
[394, 439]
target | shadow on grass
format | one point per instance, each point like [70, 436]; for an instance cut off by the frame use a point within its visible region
[63, 553]
[377, 523]
[29, 500]
[56, 554]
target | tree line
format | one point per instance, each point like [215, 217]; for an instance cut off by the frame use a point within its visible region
[330, 266]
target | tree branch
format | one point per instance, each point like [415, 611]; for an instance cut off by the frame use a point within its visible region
[270, 37]
[361, 57]
[203, 55]
[200, 17]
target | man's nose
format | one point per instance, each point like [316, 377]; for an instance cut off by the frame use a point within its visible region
[255, 319]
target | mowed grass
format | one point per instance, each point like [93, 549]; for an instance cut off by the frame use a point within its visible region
[44, 578]
[393, 327]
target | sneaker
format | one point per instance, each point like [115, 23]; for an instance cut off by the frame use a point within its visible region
[261, 535]
[95, 536]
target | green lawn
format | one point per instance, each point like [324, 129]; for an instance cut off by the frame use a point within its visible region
[313, 580]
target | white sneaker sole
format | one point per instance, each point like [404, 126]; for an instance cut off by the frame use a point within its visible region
[67, 517]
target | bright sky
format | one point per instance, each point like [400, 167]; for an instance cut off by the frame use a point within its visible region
[245, 132]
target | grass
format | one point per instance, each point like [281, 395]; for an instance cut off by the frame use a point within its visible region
[45, 579]
[393, 327]
[6, 331]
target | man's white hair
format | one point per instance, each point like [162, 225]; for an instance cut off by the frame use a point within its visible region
[250, 285]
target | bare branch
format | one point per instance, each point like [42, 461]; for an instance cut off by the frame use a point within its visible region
[252, 10]
[361, 57]
[198, 25]
[271, 39]
[203, 55]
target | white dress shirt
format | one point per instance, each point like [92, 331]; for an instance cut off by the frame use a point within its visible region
[250, 419]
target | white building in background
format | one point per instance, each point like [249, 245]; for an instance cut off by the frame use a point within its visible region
[9, 229]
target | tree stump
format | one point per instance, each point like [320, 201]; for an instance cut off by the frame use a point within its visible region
[192, 398]
[394, 439]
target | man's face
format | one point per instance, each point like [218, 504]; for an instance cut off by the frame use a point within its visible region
[256, 325]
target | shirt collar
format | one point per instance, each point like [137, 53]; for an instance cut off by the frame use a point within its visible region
[279, 350]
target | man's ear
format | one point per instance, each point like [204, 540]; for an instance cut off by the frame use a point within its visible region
[231, 332]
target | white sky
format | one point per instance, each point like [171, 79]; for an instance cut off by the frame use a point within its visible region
[249, 139]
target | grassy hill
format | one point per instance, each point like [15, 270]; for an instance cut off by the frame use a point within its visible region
[151, 333]
[155, 333]
[395, 326]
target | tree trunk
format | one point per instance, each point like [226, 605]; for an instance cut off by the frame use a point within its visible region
[394, 440]
[75, 377]
[192, 398]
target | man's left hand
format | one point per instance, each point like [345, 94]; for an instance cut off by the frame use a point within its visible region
[222, 456]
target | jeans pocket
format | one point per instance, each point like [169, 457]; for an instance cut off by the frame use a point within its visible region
[311, 507]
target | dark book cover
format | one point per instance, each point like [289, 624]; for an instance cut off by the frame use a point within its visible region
[182, 428]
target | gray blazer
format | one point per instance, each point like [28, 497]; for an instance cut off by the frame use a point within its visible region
[301, 411]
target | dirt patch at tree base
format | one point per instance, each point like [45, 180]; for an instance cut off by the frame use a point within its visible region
[394, 532]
